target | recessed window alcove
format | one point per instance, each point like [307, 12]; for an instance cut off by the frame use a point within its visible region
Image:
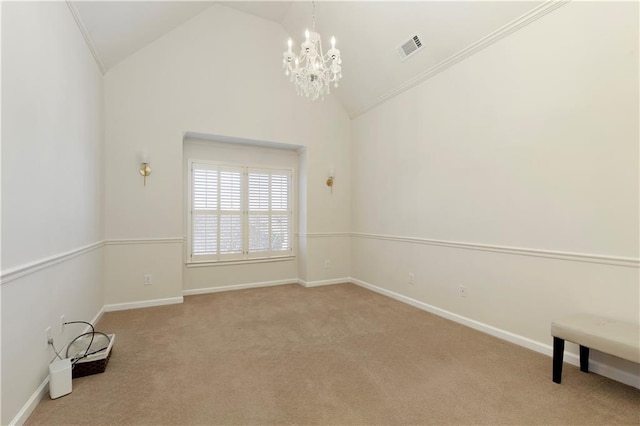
[251, 154]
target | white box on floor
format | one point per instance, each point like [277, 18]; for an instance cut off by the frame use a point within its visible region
[60, 378]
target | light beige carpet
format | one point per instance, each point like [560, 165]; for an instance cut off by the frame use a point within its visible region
[337, 355]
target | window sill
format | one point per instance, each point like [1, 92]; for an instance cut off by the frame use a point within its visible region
[239, 262]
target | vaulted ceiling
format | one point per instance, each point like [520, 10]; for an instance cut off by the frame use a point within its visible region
[368, 33]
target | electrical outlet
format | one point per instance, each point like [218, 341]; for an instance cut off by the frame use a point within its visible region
[47, 331]
[147, 279]
[61, 324]
[327, 264]
[462, 291]
[412, 278]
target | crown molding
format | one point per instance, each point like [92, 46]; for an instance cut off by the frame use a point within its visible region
[502, 32]
[87, 38]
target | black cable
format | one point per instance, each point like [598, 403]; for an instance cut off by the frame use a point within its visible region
[86, 354]
[93, 332]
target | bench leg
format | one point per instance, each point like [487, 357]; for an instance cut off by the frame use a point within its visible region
[558, 353]
[584, 359]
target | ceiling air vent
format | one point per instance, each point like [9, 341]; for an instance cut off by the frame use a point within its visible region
[409, 48]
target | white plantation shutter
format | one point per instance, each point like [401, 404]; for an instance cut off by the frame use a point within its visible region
[216, 211]
[269, 214]
[239, 212]
[258, 233]
[258, 211]
[280, 233]
[230, 228]
[280, 211]
[205, 208]
[205, 239]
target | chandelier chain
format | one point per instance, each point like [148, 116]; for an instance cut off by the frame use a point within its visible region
[313, 19]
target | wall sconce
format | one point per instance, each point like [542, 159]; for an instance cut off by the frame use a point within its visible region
[145, 170]
[330, 178]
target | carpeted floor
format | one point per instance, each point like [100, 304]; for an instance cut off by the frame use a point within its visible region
[336, 355]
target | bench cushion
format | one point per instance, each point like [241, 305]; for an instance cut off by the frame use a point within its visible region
[621, 339]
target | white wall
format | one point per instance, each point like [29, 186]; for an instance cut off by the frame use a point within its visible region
[216, 74]
[531, 143]
[52, 190]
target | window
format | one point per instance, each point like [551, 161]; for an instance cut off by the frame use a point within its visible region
[239, 212]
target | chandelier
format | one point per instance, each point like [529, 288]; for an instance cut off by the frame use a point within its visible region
[312, 72]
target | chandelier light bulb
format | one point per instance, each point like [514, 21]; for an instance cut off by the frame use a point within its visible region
[306, 35]
[290, 43]
[333, 42]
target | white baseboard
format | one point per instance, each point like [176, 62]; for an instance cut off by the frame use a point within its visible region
[571, 358]
[43, 389]
[265, 284]
[31, 404]
[610, 372]
[324, 282]
[143, 304]
[238, 287]
[476, 325]
[98, 316]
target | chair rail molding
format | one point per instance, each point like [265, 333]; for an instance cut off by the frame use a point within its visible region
[128, 241]
[29, 268]
[519, 251]
[324, 235]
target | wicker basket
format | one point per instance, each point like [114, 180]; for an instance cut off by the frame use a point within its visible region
[94, 364]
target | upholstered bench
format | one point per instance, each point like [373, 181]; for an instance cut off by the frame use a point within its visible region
[617, 338]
